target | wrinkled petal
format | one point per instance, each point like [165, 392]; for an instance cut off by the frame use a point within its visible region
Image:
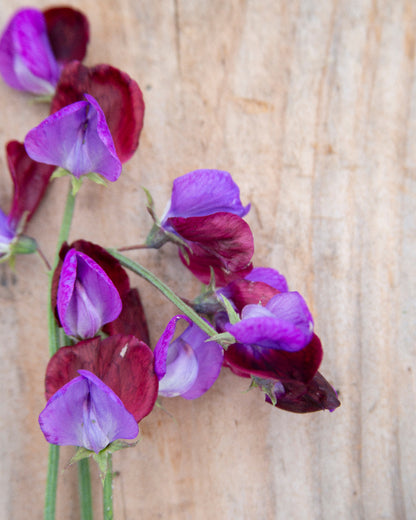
[30, 180]
[132, 320]
[189, 365]
[297, 397]
[248, 360]
[118, 95]
[26, 58]
[68, 33]
[86, 297]
[123, 363]
[222, 240]
[76, 138]
[204, 192]
[86, 412]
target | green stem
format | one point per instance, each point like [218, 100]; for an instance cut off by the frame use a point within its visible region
[54, 343]
[165, 290]
[108, 490]
[84, 488]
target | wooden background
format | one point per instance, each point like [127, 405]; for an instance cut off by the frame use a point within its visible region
[311, 105]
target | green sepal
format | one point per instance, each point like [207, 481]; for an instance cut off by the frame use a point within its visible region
[76, 184]
[46, 98]
[60, 172]
[266, 386]
[150, 205]
[101, 458]
[225, 339]
[97, 178]
[24, 246]
[80, 454]
[232, 314]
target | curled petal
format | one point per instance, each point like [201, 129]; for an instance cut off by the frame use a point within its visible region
[123, 363]
[268, 276]
[68, 33]
[118, 95]
[204, 192]
[76, 138]
[26, 58]
[222, 241]
[30, 180]
[86, 412]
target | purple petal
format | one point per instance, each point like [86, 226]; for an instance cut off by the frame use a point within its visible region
[76, 138]
[26, 58]
[204, 192]
[6, 234]
[87, 298]
[188, 366]
[209, 356]
[269, 276]
[285, 323]
[86, 412]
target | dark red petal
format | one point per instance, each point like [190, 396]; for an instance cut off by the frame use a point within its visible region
[123, 363]
[118, 95]
[315, 396]
[68, 32]
[132, 320]
[222, 240]
[246, 360]
[108, 263]
[30, 180]
[245, 292]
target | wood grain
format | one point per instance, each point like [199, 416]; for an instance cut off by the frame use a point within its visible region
[311, 105]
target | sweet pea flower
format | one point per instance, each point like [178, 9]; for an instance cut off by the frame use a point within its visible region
[205, 213]
[122, 362]
[35, 44]
[86, 297]
[77, 139]
[30, 180]
[87, 413]
[189, 365]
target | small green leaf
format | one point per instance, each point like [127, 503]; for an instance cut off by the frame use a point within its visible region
[97, 178]
[232, 314]
[225, 339]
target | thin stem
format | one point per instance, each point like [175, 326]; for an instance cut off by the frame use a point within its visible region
[54, 343]
[133, 248]
[84, 489]
[108, 513]
[51, 482]
[44, 259]
[165, 290]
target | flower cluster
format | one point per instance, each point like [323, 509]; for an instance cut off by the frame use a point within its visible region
[105, 377]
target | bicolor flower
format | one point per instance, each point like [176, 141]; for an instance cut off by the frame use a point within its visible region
[86, 298]
[30, 180]
[35, 44]
[205, 212]
[189, 365]
[118, 95]
[77, 139]
[123, 363]
[86, 412]
[132, 318]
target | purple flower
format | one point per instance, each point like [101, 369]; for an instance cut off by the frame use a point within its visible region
[27, 61]
[86, 412]
[76, 138]
[87, 298]
[285, 323]
[204, 192]
[189, 365]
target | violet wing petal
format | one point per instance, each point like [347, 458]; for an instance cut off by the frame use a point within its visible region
[77, 139]
[161, 349]
[86, 412]
[209, 356]
[181, 369]
[6, 234]
[87, 298]
[203, 192]
[26, 58]
[269, 276]
[291, 306]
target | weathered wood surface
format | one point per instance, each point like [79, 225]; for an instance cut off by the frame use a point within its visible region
[311, 105]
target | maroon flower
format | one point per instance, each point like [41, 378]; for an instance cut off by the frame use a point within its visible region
[118, 95]
[123, 363]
